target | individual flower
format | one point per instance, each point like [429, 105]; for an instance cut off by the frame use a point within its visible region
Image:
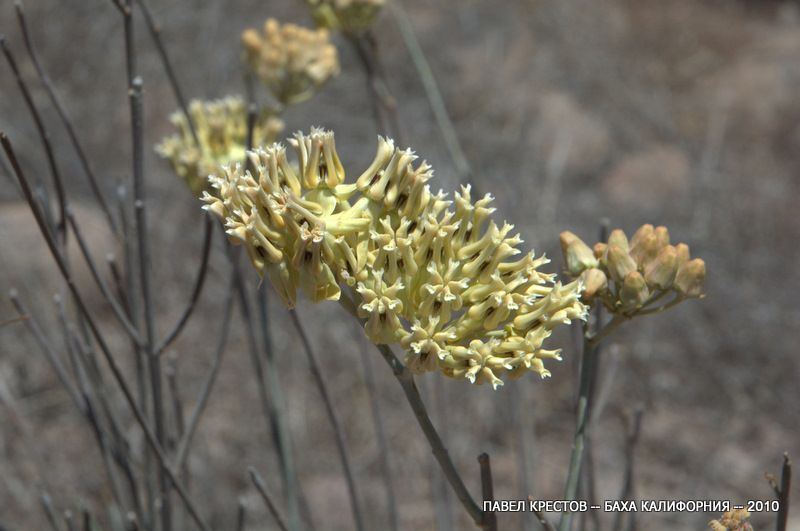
[293, 62]
[447, 284]
[632, 277]
[221, 127]
[735, 520]
[348, 16]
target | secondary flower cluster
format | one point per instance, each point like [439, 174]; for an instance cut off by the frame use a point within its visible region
[735, 520]
[293, 62]
[627, 276]
[221, 127]
[430, 273]
[348, 16]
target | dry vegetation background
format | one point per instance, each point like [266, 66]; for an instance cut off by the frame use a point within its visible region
[684, 113]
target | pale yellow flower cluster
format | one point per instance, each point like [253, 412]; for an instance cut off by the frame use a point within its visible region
[293, 62]
[735, 520]
[631, 277]
[348, 16]
[221, 127]
[433, 274]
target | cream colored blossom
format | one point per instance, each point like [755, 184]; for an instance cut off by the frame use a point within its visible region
[434, 274]
[348, 16]
[293, 62]
[221, 127]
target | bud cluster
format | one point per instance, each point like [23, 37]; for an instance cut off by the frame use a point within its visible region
[630, 276]
[430, 273]
[293, 62]
[221, 127]
[348, 16]
[735, 520]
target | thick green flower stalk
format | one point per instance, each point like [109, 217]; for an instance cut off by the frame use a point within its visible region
[437, 276]
[221, 127]
[348, 16]
[291, 61]
[631, 277]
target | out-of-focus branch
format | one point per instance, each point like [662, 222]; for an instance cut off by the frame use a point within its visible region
[338, 431]
[116, 371]
[65, 120]
[262, 489]
[44, 136]
[198, 288]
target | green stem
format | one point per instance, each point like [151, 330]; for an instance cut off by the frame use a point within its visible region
[588, 367]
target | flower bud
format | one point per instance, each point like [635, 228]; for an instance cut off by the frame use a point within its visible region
[690, 277]
[600, 249]
[619, 263]
[634, 292]
[594, 281]
[641, 233]
[577, 255]
[618, 238]
[661, 272]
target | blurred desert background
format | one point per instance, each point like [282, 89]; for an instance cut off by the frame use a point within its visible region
[683, 113]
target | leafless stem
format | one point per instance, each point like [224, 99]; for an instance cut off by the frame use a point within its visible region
[782, 492]
[44, 136]
[155, 32]
[104, 348]
[542, 519]
[384, 106]
[432, 92]
[198, 288]
[241, 515]
[406, 380]
[205, 393]
[380, 434]
[338, 431]
[262, 489]
[116, 307]
[52, 358]
[68, 521]
[49, 510]
[65, 120]
[171, 372]
[632, 438]
[487, 489]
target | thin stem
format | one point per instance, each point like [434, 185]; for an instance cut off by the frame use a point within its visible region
[384, 106]
[155, 32]
[44, 136]
[283, 435]
[198, 288]
[241, 515]
[205, 393]
[116, 307]
[171, 372]
[49, 510]
[487, 489]
[380, 434]
[52, 358]
[406, 380]
[65, 120]
[338, 431]
[262, 489]
[631, 439]
[432, 92]
[594, 339]
[783, 494]
[140, 228]
[116, 371]
[588, 368]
